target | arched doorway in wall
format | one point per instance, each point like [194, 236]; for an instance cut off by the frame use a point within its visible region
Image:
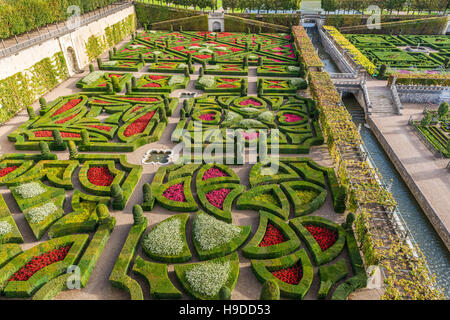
[72, 62]
[217, 26]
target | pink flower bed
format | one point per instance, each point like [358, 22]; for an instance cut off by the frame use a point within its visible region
[175, 193]
[289, 117]
[250, 101]
[250, 136]
[217, 197]
[207, 116]
[213, 173]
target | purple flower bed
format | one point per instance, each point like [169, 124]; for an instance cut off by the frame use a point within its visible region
[213, 173]
[175, 193]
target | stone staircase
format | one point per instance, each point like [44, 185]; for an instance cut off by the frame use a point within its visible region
[381, 99]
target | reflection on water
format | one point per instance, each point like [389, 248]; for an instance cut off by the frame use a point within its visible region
[436, 253]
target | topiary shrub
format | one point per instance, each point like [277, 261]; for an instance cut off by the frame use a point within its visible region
[73, 150]
[115, 83]
[109, 88]
[225, 293]
[117, 195]
[162, 115]
[91, 67]
[59, 142]
[84, 136]
[45, 150]
[42, 102]
[102, 212]
[99, 63]
[129, 90]
[31, 114]
[138, 215]
[270, 291]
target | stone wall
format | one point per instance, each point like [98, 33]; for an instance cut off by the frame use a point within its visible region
[73, 46]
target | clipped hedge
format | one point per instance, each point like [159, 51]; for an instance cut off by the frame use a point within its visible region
[24, 289]
[263, 268]
[320, 257]
[158, 279]
[252, 250]
[119, 278]
[329, 275]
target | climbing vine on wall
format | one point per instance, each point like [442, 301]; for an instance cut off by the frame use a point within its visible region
[21, 89]
[113, 35]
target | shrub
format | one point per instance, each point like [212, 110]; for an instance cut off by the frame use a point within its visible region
[91, 67]
[138, 215]
[117, 195]
[270, 291]
[31, 113]
[58, 139]
[45, 150]
[115, 83]
[84, 136]
[42, 102]
[102, 212]
[225, 293]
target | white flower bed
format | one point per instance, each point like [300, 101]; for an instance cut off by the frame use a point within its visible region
[182, 66]
[93, 77]
[110, 63]
[213, 67]
[211, 232]
[5, 228]
[165, 239]
[207, 81]
[267, 116]
[296, 82]
[136, 46]
[176, 80]
[222, 48]
[30, 190]
[293, 69]
[208, 278]
[205, 51]
[38, 214]
[252, 57]
[157, 53]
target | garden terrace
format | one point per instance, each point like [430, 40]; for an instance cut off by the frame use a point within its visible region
[195, 228]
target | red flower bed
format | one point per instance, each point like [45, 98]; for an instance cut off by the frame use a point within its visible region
[324, 236]
[69, 105]
[103, 128]
[289, 117]
[276, 87]
[291, 275]
[139, 125]
[136, 109]
[114, 75]
[226, 85]
[175, 193]
[100, 176]
[48, 134]
[213, 173]
[7, 170]
[66, 119]
[229, 79]
[40, 262]
[152, 85]
[203, 56]
[207, 116]
[141, 99]
[235, 49]
[250, 101]
[100, 101]
[272, 236]
[217, 197]
[157, 77]
[102, 84]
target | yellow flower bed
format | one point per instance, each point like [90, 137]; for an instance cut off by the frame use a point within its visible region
[354, 52]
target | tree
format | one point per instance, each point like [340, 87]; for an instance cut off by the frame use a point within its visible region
[270, 291]
[117, 195]
[138, 215]
[443, 110]
[426, 119]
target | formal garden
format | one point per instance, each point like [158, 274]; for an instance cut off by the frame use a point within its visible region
[296, 236]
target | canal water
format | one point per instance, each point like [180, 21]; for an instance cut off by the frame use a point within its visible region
[436, 254]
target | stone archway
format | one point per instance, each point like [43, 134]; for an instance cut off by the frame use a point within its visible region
[72, 62]
[217, 26]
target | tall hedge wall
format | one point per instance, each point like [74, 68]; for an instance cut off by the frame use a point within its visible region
[21, 89]
[193, 23]
[149, 13]
[280, 18]
[234, 23]
[19, 16]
